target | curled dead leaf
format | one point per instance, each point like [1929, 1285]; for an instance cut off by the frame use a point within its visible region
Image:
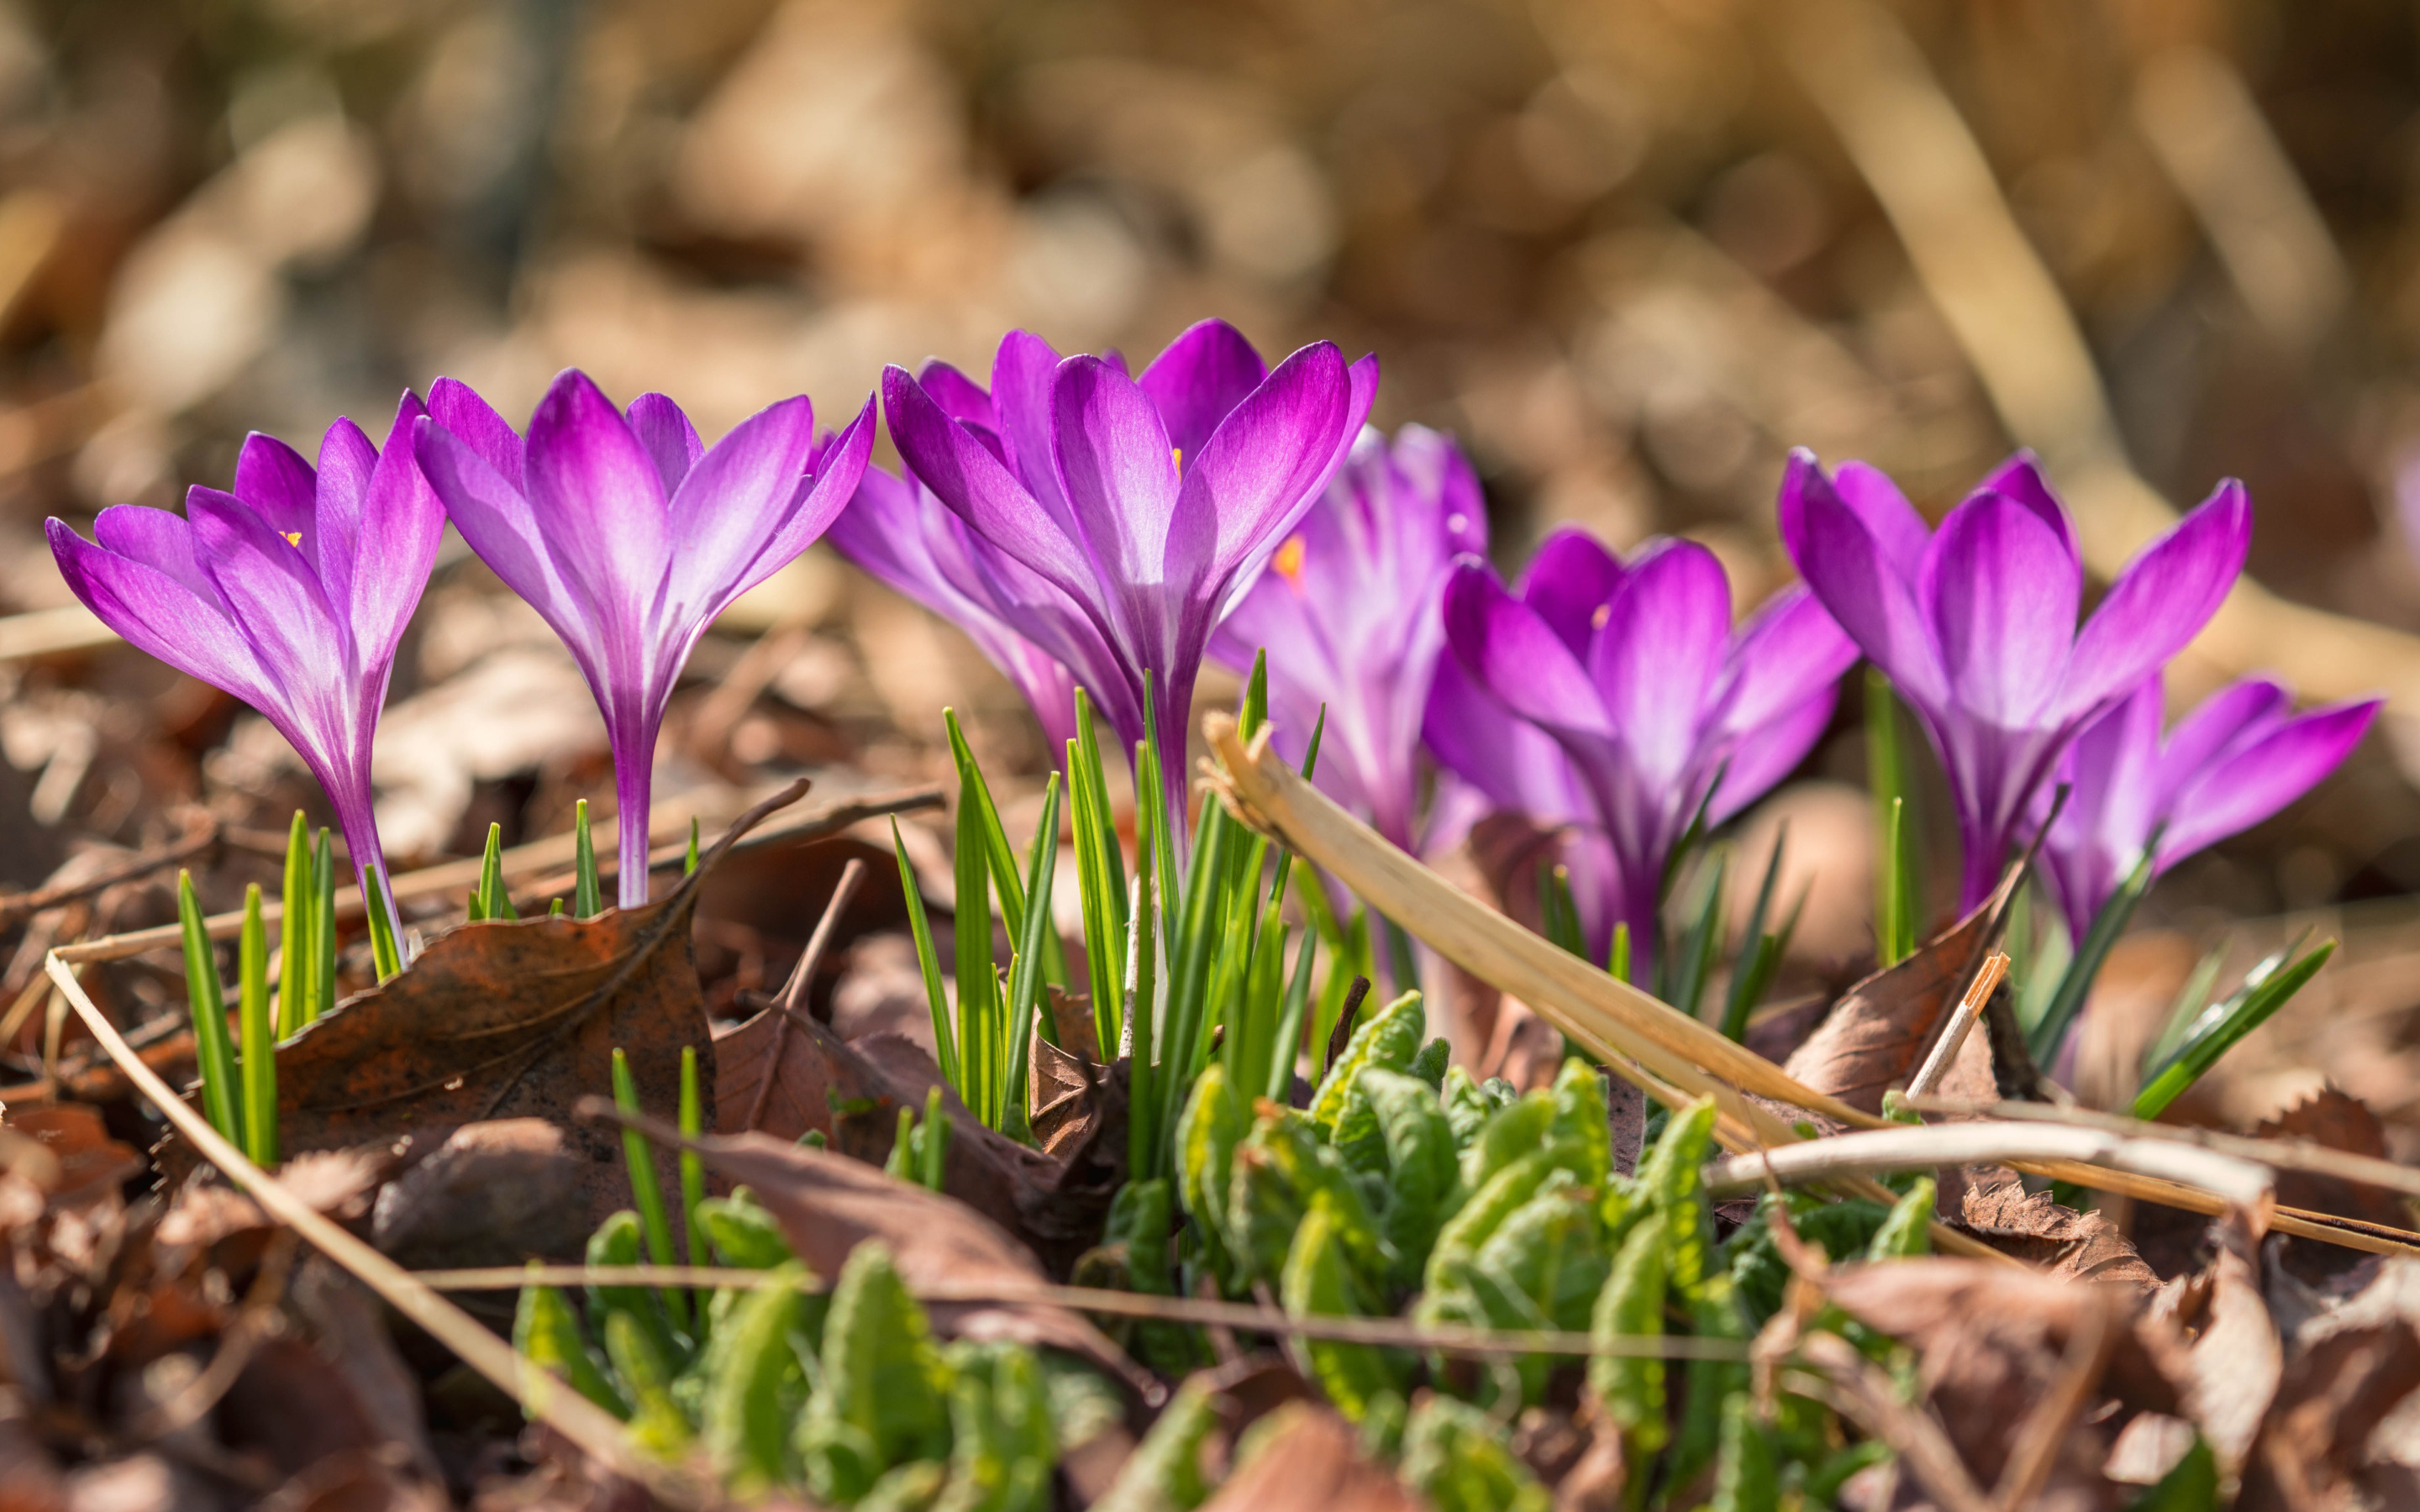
[2071, 1245]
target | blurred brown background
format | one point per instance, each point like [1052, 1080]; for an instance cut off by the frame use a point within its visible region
[1628, 251]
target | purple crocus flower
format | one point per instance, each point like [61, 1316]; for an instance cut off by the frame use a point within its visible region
[1038, 637]
[2238, 759]
[1661, 707]
[1349, 615]
[629, 537]
[1151, 501]
[290, 593]
[1975, 623]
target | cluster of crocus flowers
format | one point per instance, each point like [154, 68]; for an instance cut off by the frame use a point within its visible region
[2237, 759]
[290, 592]
[629, 537]
[1663, 710]
[1151, 501]
[1975, 623]
[1350, 613]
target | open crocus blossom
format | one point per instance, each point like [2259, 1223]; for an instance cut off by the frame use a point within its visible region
[1662, 708]
[1975, 623]
[2238, 759]
[629, 537]
[290, 593]
[1349, 614]
[1039, 638]
[1151, 501]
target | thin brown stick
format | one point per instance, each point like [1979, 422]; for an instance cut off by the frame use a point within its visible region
[198, 837]
[1927, 1146]
[1962, 1019]
[1401, 1333]
[2284, 1154]
[794, 992]
[2035, 1453]
[539, 857]
[566, 1412]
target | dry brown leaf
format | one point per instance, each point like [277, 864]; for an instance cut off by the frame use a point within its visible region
[2072, 1247]
[2331, 1399]
[90, 1164]
[1879, 1031]
[1311, 1461]
[2337, 1120]
[2237, 1358]
[827, 1203]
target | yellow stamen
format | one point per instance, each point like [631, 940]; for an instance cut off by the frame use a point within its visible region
[1288, 561]
[1604, 612]
[292, 537]
[1176, 456]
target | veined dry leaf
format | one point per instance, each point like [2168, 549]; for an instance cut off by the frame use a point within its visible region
[1312, 1461]
[2331, 1399]
[1878, 1033]
[2337, 1120]
[2072, 1247]
[2237, 1358]
[827, 1203]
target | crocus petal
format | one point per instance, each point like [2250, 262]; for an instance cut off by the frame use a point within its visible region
[2242, 710]
[601, 503]
[2263, 776]
[1120, 478]
[1504, 646]
[159, 614]
[1849, 570]
[836, 468]
[1896, 527]
[271, 479]
[731, 502]
[1264, 468]
[1022, 373]
[665, 431]
[2020, 478]
[976, 485]
[2160, 601]
[158, 538]
[2001, 594]
[961, 396]
[456, 405]
[1202, 376]
[394, 544]
[1770, 751]
[1518, 765]
[1656, 659]
[1569, 581]
[347, 463]
[499, 525]
[1789, 647]
[304, 651]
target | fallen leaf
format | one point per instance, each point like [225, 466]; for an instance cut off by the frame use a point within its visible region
[851, 1094]
[1993, 1340]
[512, 1019]
[2336, 1121]
[1311, 1461]
[2237, 1359]
[827, 1203]
[2330, 1400]
[1878, 1033]
[2071, 1245]
[90, 1164]
[497, 1193]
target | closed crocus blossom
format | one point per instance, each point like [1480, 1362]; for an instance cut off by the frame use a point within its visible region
[1151, 501]
[1038, 637]
[290, 592]
[1662, 708]
[1349, 614]
[629, 537]
[1975, 623]
[2235, 760]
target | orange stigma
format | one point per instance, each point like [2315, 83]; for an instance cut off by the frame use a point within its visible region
[1288, 561]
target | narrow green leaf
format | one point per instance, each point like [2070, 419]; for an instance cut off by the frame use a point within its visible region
[213, 1051]
[1151, 794]
[295, 947]
[1898, 880]
[258, 1067]
[689, 861]
[935, 1151]
[2050, 1031]
[385, 953]
[2264, 991]
[1101, 944]
[587, 892]
[323, 929]
[1617, 962]
[1025, 980]
[491, 900]
[1279, 1085]
[646, 1193]
[979, 1046]
[1692, 963]
[2190, 1001]
[692, 1175]
[1758, 951]
[928, 965]
[973, 789]
[1141, 990]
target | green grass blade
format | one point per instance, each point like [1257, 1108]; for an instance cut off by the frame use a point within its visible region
[1151, 794]
[979, 1047]
[2263, 992]
[1279, 1085]
[2049, 1032]
[692, 1175]
[1617, 961]
[587, 891]
[1101, 966]
[646, 1193]
[1692, 963]
[323, 931]
[935, 1151]
[1760, 953]
[1142, 990]
[491, 900]
[974, 791]
[928, 965]
[258, 1067]
[1026, 983]
[689, 861]
[385, 951]
[2190, 1001]
[213, 1053]
[295, 948]
[1899, 881]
